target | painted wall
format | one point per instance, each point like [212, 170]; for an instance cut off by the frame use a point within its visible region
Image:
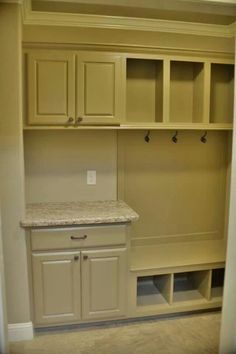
[11, 162]
[180, 180]
[228, 327]
[3, 314]
[56, 164]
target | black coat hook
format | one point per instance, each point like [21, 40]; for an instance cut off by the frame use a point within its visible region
[147, 137]
[204, 138]
[174, 138]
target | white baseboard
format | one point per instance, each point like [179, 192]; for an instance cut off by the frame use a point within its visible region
[20, 331]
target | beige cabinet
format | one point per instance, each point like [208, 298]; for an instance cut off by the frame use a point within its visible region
[103, 283]
[56, 287]
[79, 273]
[52, 85]
[74, 88]
[50, 88]
[100, 91]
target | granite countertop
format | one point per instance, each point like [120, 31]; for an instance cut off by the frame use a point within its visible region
[77, 213]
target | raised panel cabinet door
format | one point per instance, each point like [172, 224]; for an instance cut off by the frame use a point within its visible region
[100, 88]
[51, 88]
[104, 283]
[56, 287]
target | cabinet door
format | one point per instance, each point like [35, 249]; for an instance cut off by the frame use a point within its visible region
[100, 91]
[104, 283]
[56, 287]
[51, 87]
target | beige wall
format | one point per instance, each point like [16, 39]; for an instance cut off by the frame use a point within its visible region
[56, 164]
[228, 327]
[3, 315]
[180, 180]
[11, 162]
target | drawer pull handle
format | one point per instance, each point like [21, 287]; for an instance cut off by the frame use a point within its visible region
[76, 258]
[77, 238]
[85, 257]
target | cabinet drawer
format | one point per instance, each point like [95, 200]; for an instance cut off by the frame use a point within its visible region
[48, 239]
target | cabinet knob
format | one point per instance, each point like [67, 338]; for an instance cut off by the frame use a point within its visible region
[85, 257]
[70, 120]
[79, 120]
[76, 258]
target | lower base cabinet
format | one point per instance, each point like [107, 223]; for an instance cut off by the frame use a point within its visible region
[104, 275]
[70, 287]
[83, 274]
[56, 287]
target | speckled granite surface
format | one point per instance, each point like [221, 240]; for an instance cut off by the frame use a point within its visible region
[77, 213]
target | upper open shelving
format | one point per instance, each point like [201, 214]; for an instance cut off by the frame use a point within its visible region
[186, 92]
[182, 94]
[144, 91]
[222, 93]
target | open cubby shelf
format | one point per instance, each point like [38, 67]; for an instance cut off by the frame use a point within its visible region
[175, 289]
[148, 292]
[222, 93]
[186, 92]
[188, 286]
[179, 92]
[154, 290]
[217, 283]
[144, 91]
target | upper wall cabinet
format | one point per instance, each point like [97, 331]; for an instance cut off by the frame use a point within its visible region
[100, 88]
[85, 88]
[67, 88]
[51, 89]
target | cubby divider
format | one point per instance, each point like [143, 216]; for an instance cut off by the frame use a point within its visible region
[217, 283]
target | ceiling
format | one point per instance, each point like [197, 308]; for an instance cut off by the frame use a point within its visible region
[218, 12]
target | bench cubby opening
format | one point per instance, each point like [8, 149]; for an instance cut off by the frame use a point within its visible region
[178, 290]
[191, 286]
[154, 290]
[217, 283]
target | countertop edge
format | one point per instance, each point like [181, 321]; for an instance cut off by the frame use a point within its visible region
[75, 222]
[80, 213]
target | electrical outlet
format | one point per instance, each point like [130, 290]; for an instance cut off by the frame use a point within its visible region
[91, 177]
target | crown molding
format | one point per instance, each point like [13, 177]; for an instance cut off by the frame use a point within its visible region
[123, 23]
